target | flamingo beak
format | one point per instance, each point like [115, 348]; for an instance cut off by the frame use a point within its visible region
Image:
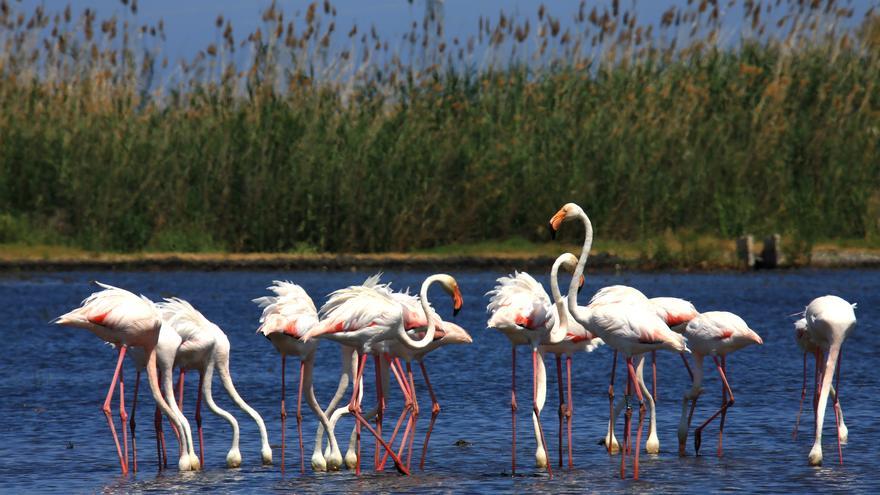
[456, 301]
[555, 222]
[581, 284]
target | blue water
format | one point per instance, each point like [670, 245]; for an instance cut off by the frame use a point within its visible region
[53, 437]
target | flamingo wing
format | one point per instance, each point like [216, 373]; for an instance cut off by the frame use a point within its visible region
[291, 311]
[519, 301]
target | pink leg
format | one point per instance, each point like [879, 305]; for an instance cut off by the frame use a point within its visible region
[627, 423]
[723, 410]
[123, 416]
[635, 381]
[561, 403]
[803, 396]
[435, 410]
[379, 410]
[299, 432]
[397, 371]
[199, 419]
[354, 408]
[415, 414]
[106, 408]
[535, 406]
[513, 409]
[687, 366]
[699, 431]
[611, 403]
[283, 410]
[131, 424]
[569, 410]
[837, 404]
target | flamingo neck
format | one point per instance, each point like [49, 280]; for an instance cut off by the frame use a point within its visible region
[573, 307]
[560, 325]
[429, 333]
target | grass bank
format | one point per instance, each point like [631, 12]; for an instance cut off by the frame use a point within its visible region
[308, 137]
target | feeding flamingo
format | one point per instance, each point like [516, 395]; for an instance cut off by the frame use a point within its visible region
[125, 320]
[632, 329]
[830, 320]
[286, 317]
[802, 337]
[716, 334]
[363, 317]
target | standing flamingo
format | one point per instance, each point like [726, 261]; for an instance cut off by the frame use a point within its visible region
[125, 320]
[716, 334]
[364, 317]
[520, 309]
[577, 339]
[286, 317]
[802, 337]
[628, 328]
[830, 320]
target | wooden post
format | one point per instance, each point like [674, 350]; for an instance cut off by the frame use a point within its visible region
[771, 254]
[745, 252]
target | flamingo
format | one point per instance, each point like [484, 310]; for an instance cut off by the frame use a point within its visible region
[125, 320]
[676, 313]
[632, 329]
[806, 344]
[520, 309]
[716, 334]
[363, 317]
[286, 317]
[829, 321]
[188, 340]
[577, 339]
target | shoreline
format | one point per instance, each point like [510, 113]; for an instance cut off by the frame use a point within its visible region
[602, 261]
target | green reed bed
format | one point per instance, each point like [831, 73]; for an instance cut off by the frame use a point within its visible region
[305, 135]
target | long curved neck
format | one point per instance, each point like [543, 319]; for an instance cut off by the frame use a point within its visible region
[560, 326]
[573, 308]
[429, 334]
[209, 400]
[222, 362]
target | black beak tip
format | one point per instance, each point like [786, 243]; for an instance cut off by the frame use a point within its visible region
[455, 311]
[580, 288]
[552, 231]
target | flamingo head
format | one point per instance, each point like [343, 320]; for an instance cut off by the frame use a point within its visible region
[233, 458]
[454, 334]
[568, 212]
[451, 287]
[569, 264]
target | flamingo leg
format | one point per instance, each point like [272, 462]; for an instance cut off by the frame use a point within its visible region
[283, 409]
[123, 416]
[561, 403]
[653, 376]
[638, 388]
[535, 406]
[627, 423]
[687, 366]
[435, 410]
[797, 419]
[723, 409]
[302, 456]
[836, 404]
[397, 371]
[131, 424]
[610, 438]
[513, 408]
[161, 452]
[380, 403]
[569, 412]
[106, 409]
[415, 416]
[199, 419]
[699, 431]
[355, 408]
[817, 375]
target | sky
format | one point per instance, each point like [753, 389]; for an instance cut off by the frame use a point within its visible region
[189, 24]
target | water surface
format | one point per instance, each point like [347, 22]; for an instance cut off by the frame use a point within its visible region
[53, 436]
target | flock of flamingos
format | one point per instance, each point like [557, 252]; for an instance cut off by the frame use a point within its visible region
[372, 320]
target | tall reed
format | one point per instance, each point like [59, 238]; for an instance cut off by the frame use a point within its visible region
[309, 135]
